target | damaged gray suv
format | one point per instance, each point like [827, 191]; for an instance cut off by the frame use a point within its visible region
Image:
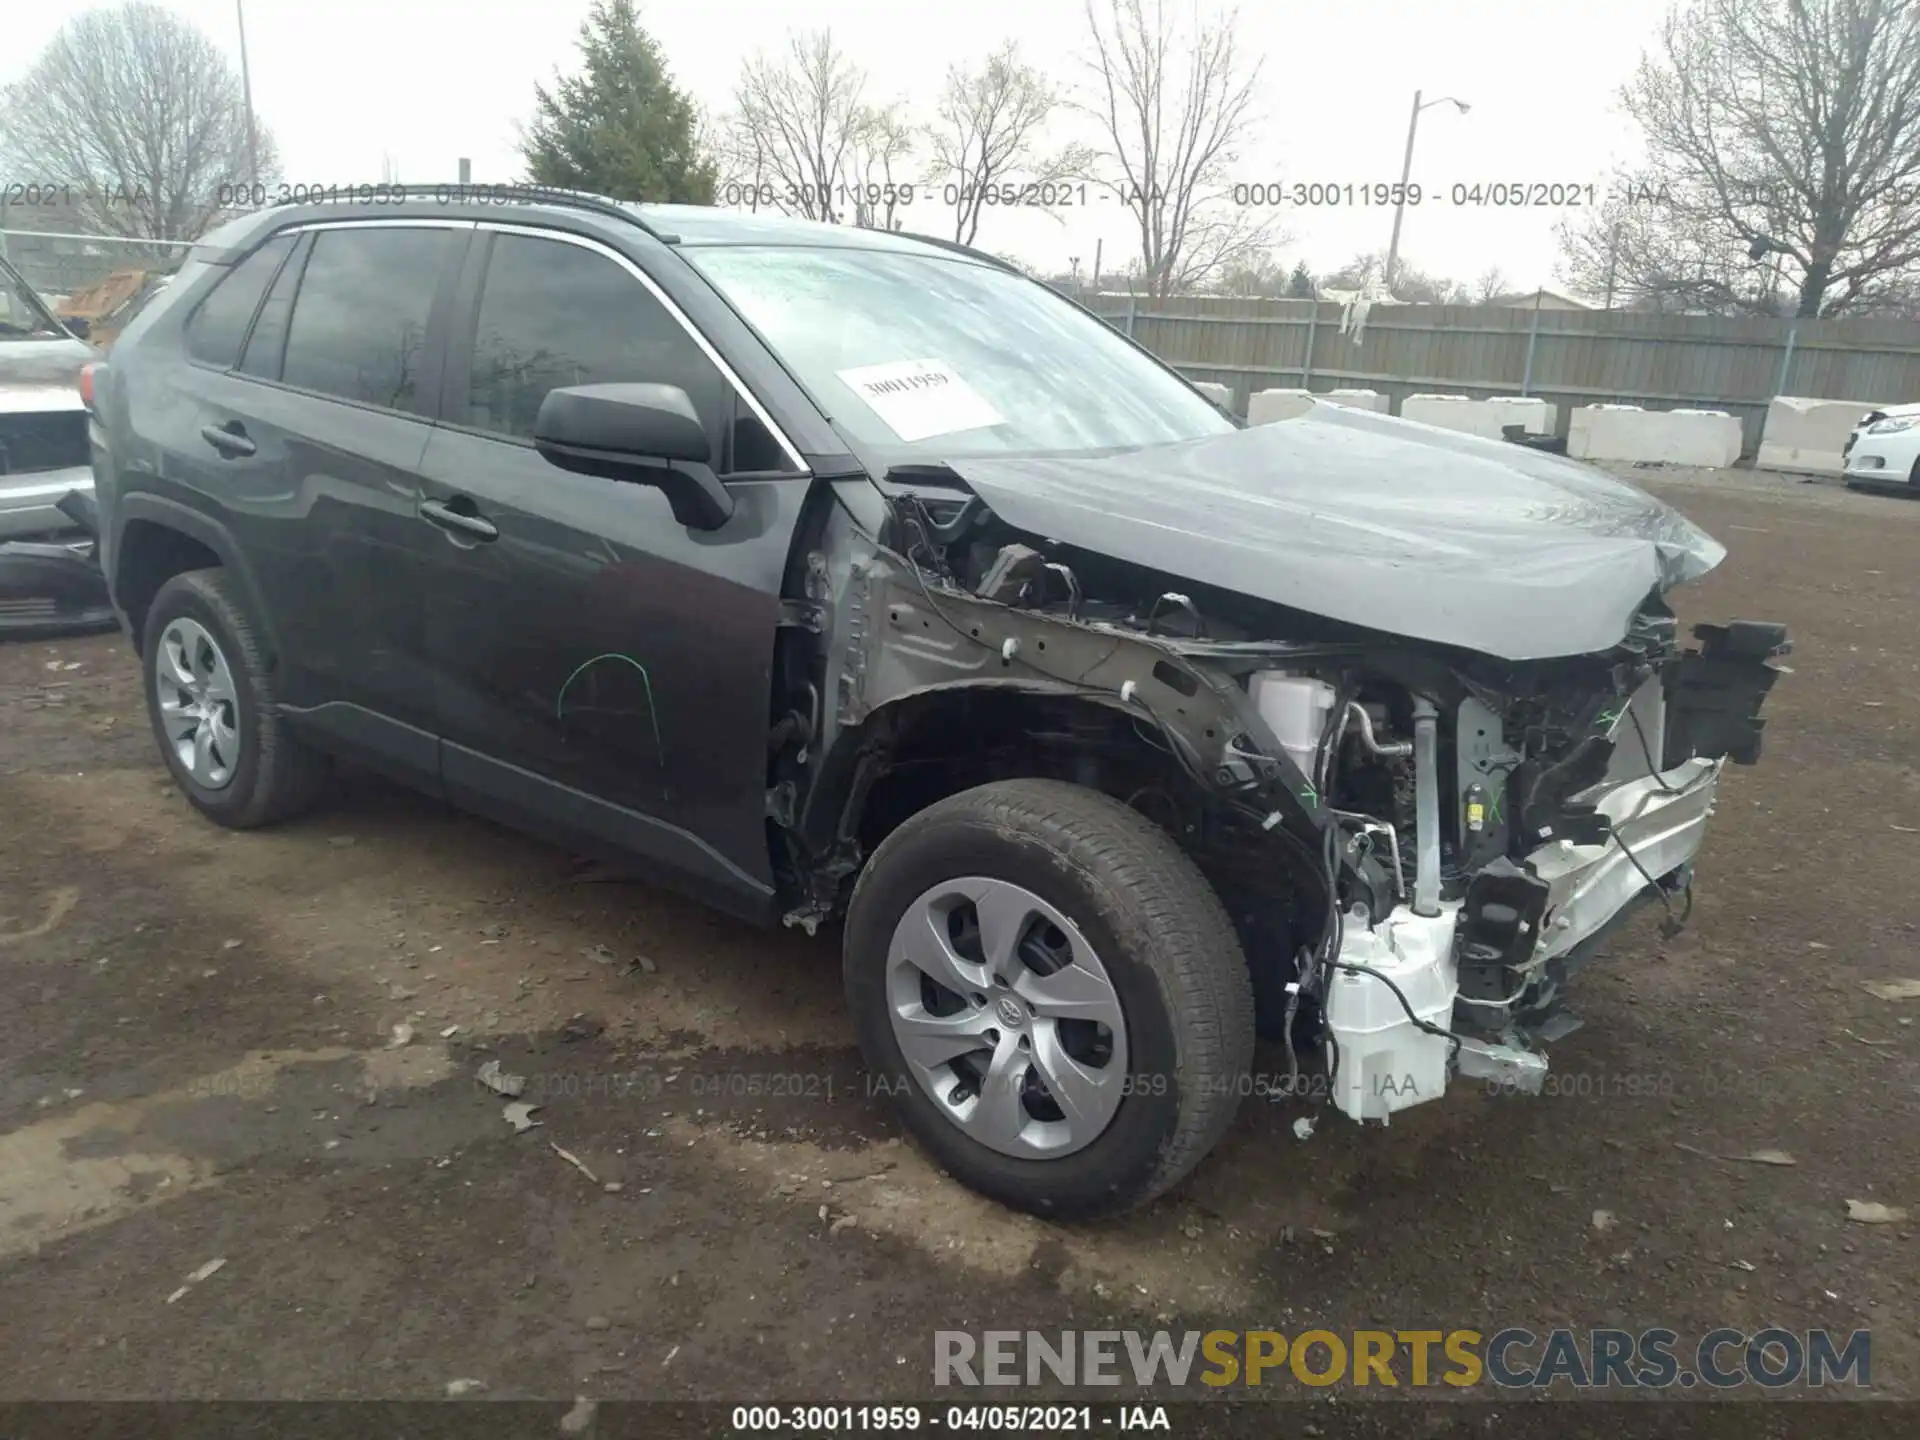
[844, 577]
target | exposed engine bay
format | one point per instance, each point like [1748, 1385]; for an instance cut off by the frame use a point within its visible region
[1418, 842]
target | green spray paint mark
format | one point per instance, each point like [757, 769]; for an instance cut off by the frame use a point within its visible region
[653, 714]
[1607, 719]
[1310, 795]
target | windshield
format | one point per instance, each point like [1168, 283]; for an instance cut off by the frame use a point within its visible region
[920, 357]
[21, 313]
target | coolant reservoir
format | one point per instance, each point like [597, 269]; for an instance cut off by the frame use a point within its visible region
[1295, 708]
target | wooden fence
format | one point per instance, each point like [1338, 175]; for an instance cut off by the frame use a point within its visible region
[1569, 357]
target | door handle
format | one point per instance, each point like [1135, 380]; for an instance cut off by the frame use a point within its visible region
[231, 443]
[473, 527]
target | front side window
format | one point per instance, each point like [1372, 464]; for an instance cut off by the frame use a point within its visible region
[553, 314]
[924, 356]
[219, 326]
[359, 326]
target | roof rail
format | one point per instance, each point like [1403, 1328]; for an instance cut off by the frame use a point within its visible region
[957, 248]
[540, 195]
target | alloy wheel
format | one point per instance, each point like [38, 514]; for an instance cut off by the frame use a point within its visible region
[1007, 1018]
[199, 708]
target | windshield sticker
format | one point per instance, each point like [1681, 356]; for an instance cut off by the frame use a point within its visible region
[921, 398]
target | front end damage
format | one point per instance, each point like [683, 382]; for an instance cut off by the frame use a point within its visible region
[1419, 838]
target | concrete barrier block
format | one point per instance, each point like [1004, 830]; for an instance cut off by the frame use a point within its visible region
[1486, 418]
[1806, 435]
[1266, 406]
[1706, 438]
[1528, 410]
[1359, 399]
[1216, 392]
[1436, 409]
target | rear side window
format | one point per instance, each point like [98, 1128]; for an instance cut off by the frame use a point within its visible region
[554, 314]
[267, 343]
[359, 326]
[219, 326]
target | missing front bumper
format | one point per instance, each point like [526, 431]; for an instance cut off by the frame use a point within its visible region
[1397, 1020]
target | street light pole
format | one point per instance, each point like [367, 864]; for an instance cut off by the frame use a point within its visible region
[1406, 174]
[1400, 204]
[246, 91]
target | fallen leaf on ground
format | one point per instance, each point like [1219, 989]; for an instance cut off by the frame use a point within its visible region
[1768, 1157]
[196, 1277]
[1603, 1220]
[1872, 1212]
[491, 1076]
[520, 1116]
[1893, 989]
[575, 1161]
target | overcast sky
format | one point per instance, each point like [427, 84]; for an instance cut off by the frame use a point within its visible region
[345, 83]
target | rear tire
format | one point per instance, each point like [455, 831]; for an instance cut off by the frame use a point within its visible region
[210, 699]
[1152, 949]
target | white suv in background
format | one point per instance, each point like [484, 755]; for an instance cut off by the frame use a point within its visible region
[1884, 448]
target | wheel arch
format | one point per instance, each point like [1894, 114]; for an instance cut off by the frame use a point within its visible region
[920, 748]
[155, 539]
[949, 732]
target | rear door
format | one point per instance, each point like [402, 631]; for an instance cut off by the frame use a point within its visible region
[339, 380]
[604, 673]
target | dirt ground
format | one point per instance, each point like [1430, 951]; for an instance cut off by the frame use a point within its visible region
[198, 1063]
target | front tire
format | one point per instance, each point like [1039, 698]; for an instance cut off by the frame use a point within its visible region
[210, 699]
[1053, 995]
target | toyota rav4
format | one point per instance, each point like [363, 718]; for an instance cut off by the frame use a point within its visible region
[848, 578]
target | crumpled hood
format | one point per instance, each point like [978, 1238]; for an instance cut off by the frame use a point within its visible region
[1363, 518]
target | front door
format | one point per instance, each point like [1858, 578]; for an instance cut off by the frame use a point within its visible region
[602, 672]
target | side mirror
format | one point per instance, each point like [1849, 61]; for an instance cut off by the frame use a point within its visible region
[637, 433]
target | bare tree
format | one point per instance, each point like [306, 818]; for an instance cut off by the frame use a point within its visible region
[141, 116]
[884, 172]
[1175, 102]
[1411, 285]
[1261, 273]
[986, 140]
[797, 119]
[742, 171]
[1640, 250]
[1783, 139]
[1491, 285]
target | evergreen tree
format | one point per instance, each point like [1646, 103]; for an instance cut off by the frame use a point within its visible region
[619, 127]
[1300, 285]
